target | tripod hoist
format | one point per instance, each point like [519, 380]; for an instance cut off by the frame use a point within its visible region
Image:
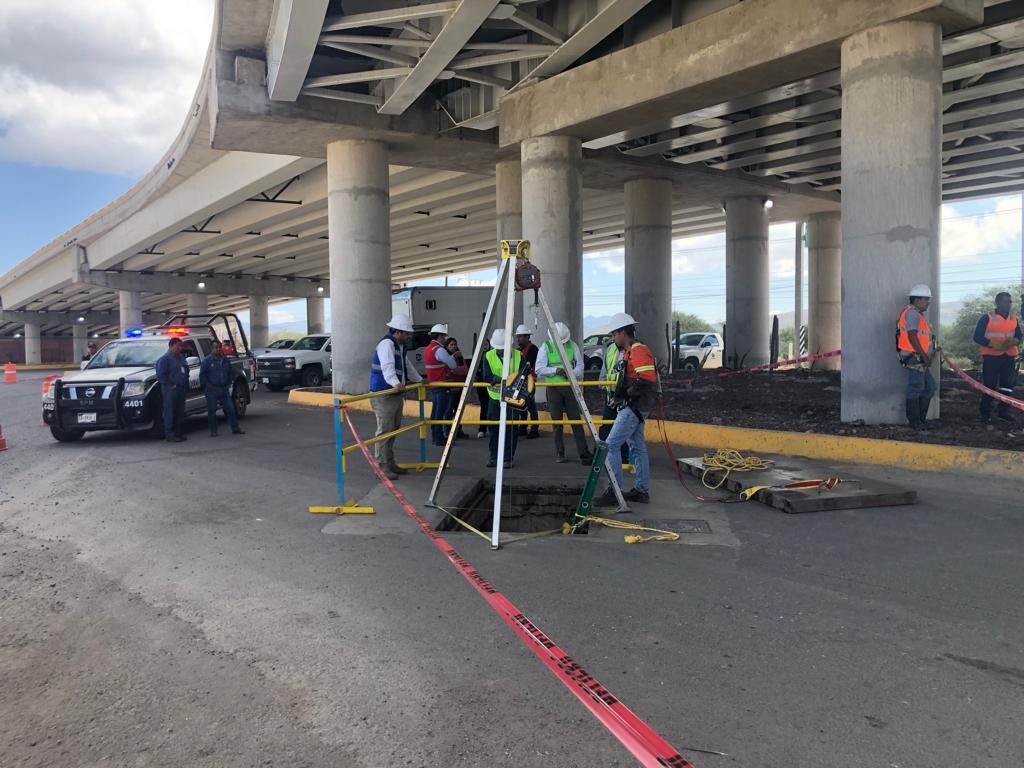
[516, 274]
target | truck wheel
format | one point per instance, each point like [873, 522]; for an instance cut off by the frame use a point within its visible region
[240, 399]
[67, 435]
[691, 365]
[312, 376]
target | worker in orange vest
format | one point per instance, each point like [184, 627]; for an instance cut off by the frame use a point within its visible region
[998, 334]
[915, 344]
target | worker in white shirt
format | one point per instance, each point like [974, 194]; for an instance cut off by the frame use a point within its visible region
[561, 400]
[391, 370]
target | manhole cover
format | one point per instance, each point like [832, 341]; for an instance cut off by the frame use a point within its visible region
[679, 526]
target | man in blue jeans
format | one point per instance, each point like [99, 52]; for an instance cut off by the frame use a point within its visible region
[215, 379]
[172, 373]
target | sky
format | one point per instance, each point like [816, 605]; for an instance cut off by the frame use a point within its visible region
[91, 97]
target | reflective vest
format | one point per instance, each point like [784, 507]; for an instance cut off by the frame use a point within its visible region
[377, 381]
[645, 370]
[612, 368]
[494, 364]
[924, 334]
[555, 359]
[999, 329]
[436, 370]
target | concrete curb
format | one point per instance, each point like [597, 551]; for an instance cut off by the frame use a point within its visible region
[859, 450]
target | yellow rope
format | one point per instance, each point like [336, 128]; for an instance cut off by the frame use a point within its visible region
[728, 460]
[660, 535]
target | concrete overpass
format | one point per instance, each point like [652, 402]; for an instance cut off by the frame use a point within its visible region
[340, 147]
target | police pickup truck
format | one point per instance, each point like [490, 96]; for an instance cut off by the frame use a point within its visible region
[117, 389]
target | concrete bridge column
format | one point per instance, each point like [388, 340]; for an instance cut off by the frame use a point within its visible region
[79, 339]
[131, 310]
[824, 287]
[892, 134]
[553, 223]
[508, 214]
[648, 260]
[33, 344]
[358, 215]
[197, 304]
[315, 316]
[746, 282]
[259, 321]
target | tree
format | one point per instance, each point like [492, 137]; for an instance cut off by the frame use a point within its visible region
[957, 340]
[689, 323]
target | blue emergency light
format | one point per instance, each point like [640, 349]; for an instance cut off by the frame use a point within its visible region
[133, 333]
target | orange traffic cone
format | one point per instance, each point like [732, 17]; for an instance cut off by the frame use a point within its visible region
[3, 440]
[10, 373]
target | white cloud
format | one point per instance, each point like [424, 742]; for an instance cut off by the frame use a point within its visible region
[100, 85]
[278, 315]
[611, 261]
[973, 238]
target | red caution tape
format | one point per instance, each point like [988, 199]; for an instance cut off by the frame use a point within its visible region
[769, 366]
[638, 737]
[981, 387]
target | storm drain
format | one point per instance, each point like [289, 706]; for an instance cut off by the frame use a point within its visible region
[525, 507]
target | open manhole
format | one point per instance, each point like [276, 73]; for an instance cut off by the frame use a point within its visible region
[525, 507]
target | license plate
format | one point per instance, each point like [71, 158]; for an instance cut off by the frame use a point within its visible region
[87, 418]
[266, 380]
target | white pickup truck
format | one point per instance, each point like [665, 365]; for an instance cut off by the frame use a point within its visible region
[306, 362]
[695, 351]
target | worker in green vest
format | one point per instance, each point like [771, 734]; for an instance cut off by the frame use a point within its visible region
[561, 400]
[492, 373]
[611, 369]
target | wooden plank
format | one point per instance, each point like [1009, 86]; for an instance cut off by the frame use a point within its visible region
[852, 493]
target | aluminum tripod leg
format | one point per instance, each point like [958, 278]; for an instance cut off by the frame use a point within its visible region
[499, 471]
[578, 394]
[503, 273]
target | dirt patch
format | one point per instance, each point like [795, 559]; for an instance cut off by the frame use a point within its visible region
[806, 401]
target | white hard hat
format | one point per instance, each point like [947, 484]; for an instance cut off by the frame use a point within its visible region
[921, 290]
[400, 323]
[440, 328]
[620, 320]
[562, 332]
[522, 330]
[498, 338]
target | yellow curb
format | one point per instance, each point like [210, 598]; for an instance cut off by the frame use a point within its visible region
[860, 450]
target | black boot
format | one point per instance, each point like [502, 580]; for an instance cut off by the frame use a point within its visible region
[914, 413]
[923, 404]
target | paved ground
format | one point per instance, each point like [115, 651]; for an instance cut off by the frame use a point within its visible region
[169, 605]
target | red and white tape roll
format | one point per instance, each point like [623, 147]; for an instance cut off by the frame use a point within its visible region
[639, 738]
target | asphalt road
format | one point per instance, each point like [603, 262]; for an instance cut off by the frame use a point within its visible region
[171, 605]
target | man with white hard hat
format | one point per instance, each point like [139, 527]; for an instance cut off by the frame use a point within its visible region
[438, 362]
[560, 399]
[915, 345]
[492, 373]
[529, 352]
[633, 397]
[391, 370]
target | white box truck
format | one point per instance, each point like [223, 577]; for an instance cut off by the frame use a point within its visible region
[460, 308]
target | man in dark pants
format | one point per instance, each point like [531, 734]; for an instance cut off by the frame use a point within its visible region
[528, 350]
[215, 379]
[172, 373]
[998, 334]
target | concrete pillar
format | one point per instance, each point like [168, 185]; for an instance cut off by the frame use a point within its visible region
[358, 215]
[33, 344]
[892, 133]
[824, 287]
[798, 284]
[747, 330]
[315, 316]
[553, 223]
[79, 339]
[131, 310]
[648, 260]
[259, 321]
[197, 304]
[508, 214]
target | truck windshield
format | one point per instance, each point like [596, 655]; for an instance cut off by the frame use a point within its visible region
[132, 354]
[309, 342]
[690, 339]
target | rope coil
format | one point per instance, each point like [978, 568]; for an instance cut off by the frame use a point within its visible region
[728, 460]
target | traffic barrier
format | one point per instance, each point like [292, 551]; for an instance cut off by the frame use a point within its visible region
[10, 373]
[3, 440]
[974, 384]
